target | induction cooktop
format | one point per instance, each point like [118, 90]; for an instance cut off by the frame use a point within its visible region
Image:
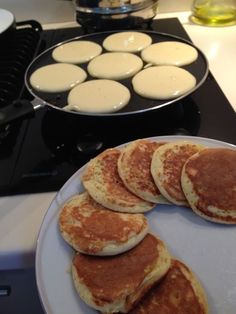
[40, 152]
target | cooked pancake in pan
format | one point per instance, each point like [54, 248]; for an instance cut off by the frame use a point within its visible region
[93, 229]
[163, 82]
[114, 284]
[78, 51]
[115, 65]
[166, 166]
[127, 41]
[209, 183]
[169, 53]
[58, 77]
[179, 292]
[134, 166]
[103, 183]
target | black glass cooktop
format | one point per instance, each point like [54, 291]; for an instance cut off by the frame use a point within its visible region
[41, 152]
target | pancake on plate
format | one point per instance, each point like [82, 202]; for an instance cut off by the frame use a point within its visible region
[114, 284]
[166, 166]
[93, 229]
[179, 292]
[103, 183]
[209, 183]
[134, 166]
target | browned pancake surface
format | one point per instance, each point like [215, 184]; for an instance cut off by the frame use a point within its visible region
[103, 183]
[89, 227]
[173, 164]
[212, 173]
[166, 168]
[110, 278]
[174, 294]
[134, 168]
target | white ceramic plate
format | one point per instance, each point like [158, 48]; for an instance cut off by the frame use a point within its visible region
[207, 248]
[6, 20]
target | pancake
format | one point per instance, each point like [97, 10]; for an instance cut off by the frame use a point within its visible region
[209, 183]
[166, 167]
[127, 41]
[98, 96]
[134, 166]
[77, 52]
[103, 183]
[58, 77]
[179, 292]
[163, 82]
[93, 229]
[115, 283]
[115, 65]
[169, 53]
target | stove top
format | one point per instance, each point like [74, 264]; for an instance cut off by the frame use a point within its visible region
[41, 152]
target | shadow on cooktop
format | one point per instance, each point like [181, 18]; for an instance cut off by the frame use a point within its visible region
[73, 137]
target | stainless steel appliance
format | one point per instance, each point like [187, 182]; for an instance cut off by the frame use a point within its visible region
[107, 14]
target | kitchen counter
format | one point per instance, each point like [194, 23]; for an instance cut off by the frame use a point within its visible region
[21, 216]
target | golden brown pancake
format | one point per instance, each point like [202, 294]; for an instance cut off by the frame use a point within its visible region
[103, 183]
[209, 183]
[179, 292]
[93, 229]
[166, 167]
[134, 166]
[115, 283]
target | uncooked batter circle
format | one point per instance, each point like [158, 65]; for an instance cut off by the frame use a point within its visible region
[127, 41]
[77, 52]
[58, 77]
[98, 96]
[163, 82]
[115, 65]
[169, 53]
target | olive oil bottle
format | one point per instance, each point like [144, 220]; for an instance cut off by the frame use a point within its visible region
[214, 12]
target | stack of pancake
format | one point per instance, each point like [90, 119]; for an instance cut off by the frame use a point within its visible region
[119, 265]
[201, 178]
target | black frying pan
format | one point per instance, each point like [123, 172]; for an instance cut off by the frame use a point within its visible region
[137, 104]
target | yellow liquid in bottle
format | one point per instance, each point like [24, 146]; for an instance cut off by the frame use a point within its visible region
[214, 15]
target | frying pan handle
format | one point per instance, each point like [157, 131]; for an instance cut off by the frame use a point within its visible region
[18, 109]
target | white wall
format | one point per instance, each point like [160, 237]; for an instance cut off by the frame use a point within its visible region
[45, 11]
[50, 11]
[174, 5]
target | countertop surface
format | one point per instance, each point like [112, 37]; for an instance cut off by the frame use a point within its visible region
[21, 216]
